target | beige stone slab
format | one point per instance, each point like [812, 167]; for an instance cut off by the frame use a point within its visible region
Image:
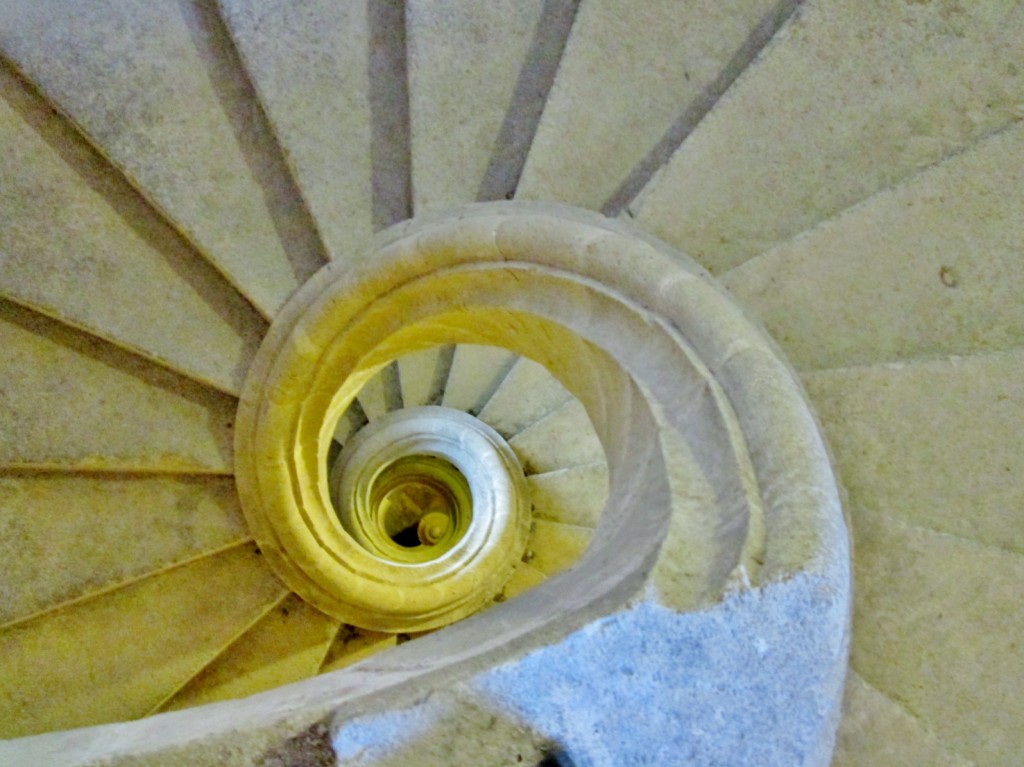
[564, 438]
[382, 393]
[475, 375]
[351, 421]
[288, 644]
[423, 375]
[931, 267]
[848, 98]
[310, 64]
[78, 243]
[939, 444]
[68, 400]
[353, 644]
[464, 63]
[527, 394]
[554, 547]
[574, 496]
[629, 72]
[116, 656]
[158, 88]
[524, 578]
[937, 626]
[63, 537]
[875, 730]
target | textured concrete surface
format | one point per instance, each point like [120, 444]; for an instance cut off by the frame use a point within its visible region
[847, 99]
[65, 536]
[662, 65]
[112, 265]
[72, 402]
[310, 65]
[575, 495]
[158, 88]
[930, 267]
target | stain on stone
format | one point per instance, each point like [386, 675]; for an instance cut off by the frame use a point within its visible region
[949, 277]
[311, 748]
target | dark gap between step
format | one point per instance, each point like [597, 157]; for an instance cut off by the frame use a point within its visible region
[532, 88]
[684, 125]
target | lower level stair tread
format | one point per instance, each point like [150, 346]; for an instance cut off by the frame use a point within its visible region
[288, 644]
[118, 655]
[352, 644]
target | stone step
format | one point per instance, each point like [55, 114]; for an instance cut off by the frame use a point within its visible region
[423, 375]
[847, 99]
[287, 644]
[664, 66]
[931, 267]
[554, 547]
[875, 730]
[936, 626]
[77, 403]
[478, 76]
[475, 375]
[80, 244]
[573, 496]
[352, 644]
[68, 536]
[382, 393]
[527, 394]
[158, 88]
[117, 656]
[938, 444]
[315, 70]
[563, 438]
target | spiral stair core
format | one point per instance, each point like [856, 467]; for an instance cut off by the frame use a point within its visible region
[563, 382]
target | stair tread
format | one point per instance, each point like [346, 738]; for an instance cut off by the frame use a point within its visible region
[938, 443]
[80, 244]
[74, 402]
[554, 547]
[847, 99]
[121, 653]
[352, 644]
[930, 267]
[382, 393]
[875, 730]
[423, 375]
[309, 65]
[286, 645]
[157, 87]
[660, 62]
[563, 438]
[475, 374]
[63, 537]
[573, 496]
[936, 622]
[464, 65]
[527, 393]
[524, 578]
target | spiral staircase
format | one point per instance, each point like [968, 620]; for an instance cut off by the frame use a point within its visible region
[204, 217]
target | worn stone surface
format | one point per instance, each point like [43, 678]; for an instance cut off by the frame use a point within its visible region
[464, 64]
[475, 374]
[877, 730]
[289, 643]
[64, 536]
[423, 375]
[561, 439]
[931, 267]
[526, 394]
[70, 401]
[575, 495]
[937, 626]
[310, 65]
[77, 242]
[847, 99]
[187, 615]
[938, 444]
[158, 89]
[665, 65]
